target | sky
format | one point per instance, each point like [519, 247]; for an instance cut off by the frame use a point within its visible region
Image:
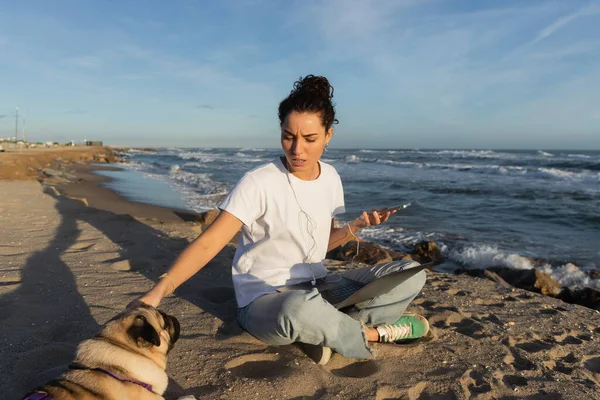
[483, 74]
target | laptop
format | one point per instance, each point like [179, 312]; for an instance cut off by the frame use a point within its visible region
[344, 292]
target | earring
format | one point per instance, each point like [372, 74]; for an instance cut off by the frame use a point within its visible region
[326, 144]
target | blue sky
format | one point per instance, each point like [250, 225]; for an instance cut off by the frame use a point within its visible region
[407, 73]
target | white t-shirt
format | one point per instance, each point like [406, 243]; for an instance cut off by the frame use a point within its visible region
[287, 223]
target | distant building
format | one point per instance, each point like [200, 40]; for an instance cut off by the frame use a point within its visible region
[93, 143]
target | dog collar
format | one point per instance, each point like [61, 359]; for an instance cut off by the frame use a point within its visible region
[39, 396]
[117, 377]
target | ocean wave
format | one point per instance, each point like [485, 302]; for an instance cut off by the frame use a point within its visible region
[215, 158]
[141, 151]
[469, 153]
[545, 154]
[398, 238]
[539, 172]
[197, 155]
[579, 156]
[352, 159]
[568, 175]
[202, 183]
[485, 256]
[194, 164]
[584, 164]
[570, 275]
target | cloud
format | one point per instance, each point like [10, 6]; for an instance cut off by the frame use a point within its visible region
[206, 107]
[75, 112]
[89, 61]
[3, 116]
[110, 55]
[564, 21]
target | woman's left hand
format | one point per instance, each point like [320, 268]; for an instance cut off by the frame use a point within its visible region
[372, 218]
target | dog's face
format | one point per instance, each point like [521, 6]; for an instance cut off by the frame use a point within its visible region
[136, 341]
[145, 330]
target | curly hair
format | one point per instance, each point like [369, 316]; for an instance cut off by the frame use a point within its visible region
[310, 94]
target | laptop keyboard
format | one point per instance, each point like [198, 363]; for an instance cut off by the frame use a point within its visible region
[338, 295]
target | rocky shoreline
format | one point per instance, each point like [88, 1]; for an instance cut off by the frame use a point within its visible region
[533, 280]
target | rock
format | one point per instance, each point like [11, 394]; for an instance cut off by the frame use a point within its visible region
[60, 175]
[368, 253]
[594, 274]
[396, 255]
[427, 251]
[528, 279]
[496, 278]
[586, 297]
[207, 218]
[546, 284]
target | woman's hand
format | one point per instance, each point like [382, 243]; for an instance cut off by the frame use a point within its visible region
[150, 299]
[372, 218]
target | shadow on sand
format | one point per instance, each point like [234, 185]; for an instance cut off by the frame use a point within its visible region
[54, 317]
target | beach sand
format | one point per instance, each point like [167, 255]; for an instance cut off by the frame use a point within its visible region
[74, 255]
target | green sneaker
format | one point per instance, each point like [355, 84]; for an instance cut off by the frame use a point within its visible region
[408, 327]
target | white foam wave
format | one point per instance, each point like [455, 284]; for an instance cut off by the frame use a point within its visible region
[140, 151]
[579, 156]
[194, 164]
[489, 168]
[397, 237]
[570, 275]
[197, 155]
[352, 159]
[554, 173]
[557, 173]
[545, 154]
[469, 153]
[486, 256]
[201, 182]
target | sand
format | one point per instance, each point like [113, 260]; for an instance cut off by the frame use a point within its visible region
[73, 256]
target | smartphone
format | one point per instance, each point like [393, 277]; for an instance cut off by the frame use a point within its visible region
[395, 208]
[399, 207]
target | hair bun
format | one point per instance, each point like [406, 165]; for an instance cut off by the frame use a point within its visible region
[314, 85]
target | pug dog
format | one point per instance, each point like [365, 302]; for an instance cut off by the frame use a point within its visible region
[125, 360]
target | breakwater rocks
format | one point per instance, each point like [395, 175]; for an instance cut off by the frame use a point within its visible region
[533, 280]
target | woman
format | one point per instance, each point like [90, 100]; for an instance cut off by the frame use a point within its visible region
[285, 210]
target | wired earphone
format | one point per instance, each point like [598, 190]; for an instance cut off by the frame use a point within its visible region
[311, 225]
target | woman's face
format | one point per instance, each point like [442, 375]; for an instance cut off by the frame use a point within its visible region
[303, 139]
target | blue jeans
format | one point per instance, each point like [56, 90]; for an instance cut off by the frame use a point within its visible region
[304, 316]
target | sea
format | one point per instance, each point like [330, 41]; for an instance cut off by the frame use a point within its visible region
[513, 208]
